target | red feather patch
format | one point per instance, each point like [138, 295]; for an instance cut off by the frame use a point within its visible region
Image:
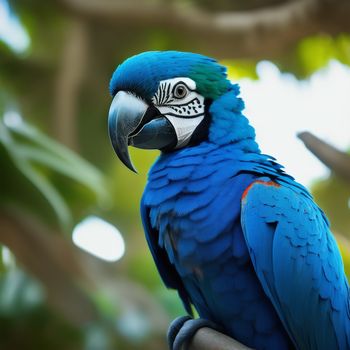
[266, 183]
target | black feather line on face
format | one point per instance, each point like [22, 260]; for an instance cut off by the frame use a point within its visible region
[201, 133]
[168, 94]
[162, 93]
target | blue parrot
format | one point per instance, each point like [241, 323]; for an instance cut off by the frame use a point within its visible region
[237, 237]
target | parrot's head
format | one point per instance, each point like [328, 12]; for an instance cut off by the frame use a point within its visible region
[161, 101]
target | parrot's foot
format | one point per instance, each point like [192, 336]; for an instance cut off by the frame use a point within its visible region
[183, 328]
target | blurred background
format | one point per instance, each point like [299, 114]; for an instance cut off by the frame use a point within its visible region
[75, 269]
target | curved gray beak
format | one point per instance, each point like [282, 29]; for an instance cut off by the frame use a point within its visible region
[132, 122]
[125, 114]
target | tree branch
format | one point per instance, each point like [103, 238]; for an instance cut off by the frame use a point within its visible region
[145, 10]
[209, 339]
[69, 78]
[264, 32]
[337, 161]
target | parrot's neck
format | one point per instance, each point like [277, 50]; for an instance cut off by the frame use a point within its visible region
[231, 141]
[229, 125]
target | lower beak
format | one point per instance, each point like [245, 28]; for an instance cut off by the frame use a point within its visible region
[132, 122]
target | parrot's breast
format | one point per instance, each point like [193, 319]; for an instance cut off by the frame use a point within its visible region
[194, 201]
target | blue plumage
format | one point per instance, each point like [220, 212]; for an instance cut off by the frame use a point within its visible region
[298, 265]
[231, 231]
[207, 249]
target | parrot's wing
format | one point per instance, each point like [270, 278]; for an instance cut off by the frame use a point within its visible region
[166, 270]
[298, 264]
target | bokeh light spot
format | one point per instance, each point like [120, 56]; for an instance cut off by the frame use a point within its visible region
[99, 238]
[11, 30]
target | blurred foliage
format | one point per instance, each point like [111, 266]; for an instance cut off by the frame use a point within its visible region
[32, 166]
[310, 55]
[238, 69]
[23, 313]
[315, 52]
[333, 196]
[127, 187]
[47, 180]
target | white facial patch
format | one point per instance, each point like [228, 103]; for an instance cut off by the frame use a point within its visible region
[178, 100]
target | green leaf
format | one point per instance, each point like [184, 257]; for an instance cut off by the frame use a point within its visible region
[238, 69]
[59, 158]
[315, 52]
[40, 159]
[49, 192]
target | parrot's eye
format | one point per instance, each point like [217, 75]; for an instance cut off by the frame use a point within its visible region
[180, 90]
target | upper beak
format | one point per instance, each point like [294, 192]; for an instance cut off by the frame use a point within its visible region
[132, 122]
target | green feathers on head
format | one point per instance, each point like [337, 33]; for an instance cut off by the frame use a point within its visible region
[210, 78]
